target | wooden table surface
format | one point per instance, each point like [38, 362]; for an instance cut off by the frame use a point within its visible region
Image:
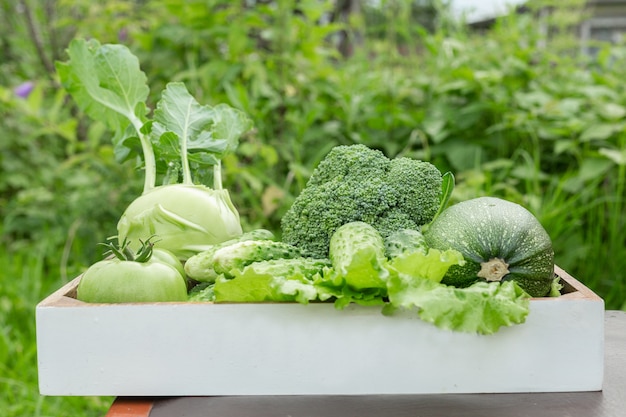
[610, 402]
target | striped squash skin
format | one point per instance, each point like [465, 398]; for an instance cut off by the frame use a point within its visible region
[488, 228]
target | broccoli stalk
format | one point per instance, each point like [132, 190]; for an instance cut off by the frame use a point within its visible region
[356, 183]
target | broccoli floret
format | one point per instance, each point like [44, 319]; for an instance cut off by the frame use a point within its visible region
[356, 183]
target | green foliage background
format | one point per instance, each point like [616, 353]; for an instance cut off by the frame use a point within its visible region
[522, 111]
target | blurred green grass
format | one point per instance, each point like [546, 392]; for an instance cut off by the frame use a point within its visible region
[26, 280]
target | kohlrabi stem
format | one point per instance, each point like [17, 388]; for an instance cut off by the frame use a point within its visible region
[148, 155]
[184, 160]
[217, 175]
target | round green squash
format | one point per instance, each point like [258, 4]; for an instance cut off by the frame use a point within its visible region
[500, 240]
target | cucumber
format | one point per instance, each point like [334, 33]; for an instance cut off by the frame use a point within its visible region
[199, 267]
[241, 254]
[357, 254]
[404, 240]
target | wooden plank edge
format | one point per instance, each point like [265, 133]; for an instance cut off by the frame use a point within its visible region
[130, 407]
[581, 289]
[63, 297]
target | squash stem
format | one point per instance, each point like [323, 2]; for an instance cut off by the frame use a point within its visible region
[493, 270]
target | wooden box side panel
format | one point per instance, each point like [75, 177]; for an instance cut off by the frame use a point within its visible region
[156, 349]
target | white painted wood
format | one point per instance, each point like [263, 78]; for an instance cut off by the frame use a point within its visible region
[176, 349]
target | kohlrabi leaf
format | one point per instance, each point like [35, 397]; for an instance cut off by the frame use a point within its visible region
[229, 125]
[481, 308]
[107, 83]
[184, 122]
[195, 133]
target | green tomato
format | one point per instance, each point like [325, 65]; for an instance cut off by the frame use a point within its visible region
[119, 281]
[166, 257]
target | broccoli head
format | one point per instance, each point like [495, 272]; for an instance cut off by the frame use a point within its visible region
[356, 183]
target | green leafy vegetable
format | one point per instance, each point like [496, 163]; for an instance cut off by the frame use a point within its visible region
[412, 281]
[272, 280]
[359, 272]
[107, 83]
[480, 308]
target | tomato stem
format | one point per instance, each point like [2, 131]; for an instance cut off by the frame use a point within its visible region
[123, 252]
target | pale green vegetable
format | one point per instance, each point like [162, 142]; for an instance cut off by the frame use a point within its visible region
[480, 308]
[200, 267]
[411, 281]
[431, 264]
[404, 240]
[272, 280]
[241, 254]
[357, 254]
[107, 83]
[186, 218]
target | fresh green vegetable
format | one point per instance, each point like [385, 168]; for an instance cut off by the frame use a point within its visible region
[352, 235]
[166, 257]
[128, 277]
[200, 267]
[481, 308]
[404, 240]
[358, 271]
[241, 254]
[355, 183]
[108, 85]
[357, 254]
[500, 241]
[272, 280]
[186, 218]
[429, 264]
[412, 283]
[202, 292]
[409, 254]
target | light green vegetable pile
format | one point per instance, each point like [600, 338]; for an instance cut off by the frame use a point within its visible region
[353, 235]
[362, 268]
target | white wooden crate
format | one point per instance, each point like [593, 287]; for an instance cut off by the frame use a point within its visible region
[177, 349]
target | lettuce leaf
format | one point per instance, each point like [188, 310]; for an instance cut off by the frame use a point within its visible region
[481, 308]
[431, 265]
[272, 280]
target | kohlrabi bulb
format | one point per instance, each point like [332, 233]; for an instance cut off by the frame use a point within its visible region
[184, 219]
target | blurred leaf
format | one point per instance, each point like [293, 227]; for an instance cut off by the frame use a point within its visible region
[612, 111]
[600, 131]
[615, 155]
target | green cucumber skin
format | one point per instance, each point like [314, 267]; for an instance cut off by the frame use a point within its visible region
[241, 254]
[486, 227]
